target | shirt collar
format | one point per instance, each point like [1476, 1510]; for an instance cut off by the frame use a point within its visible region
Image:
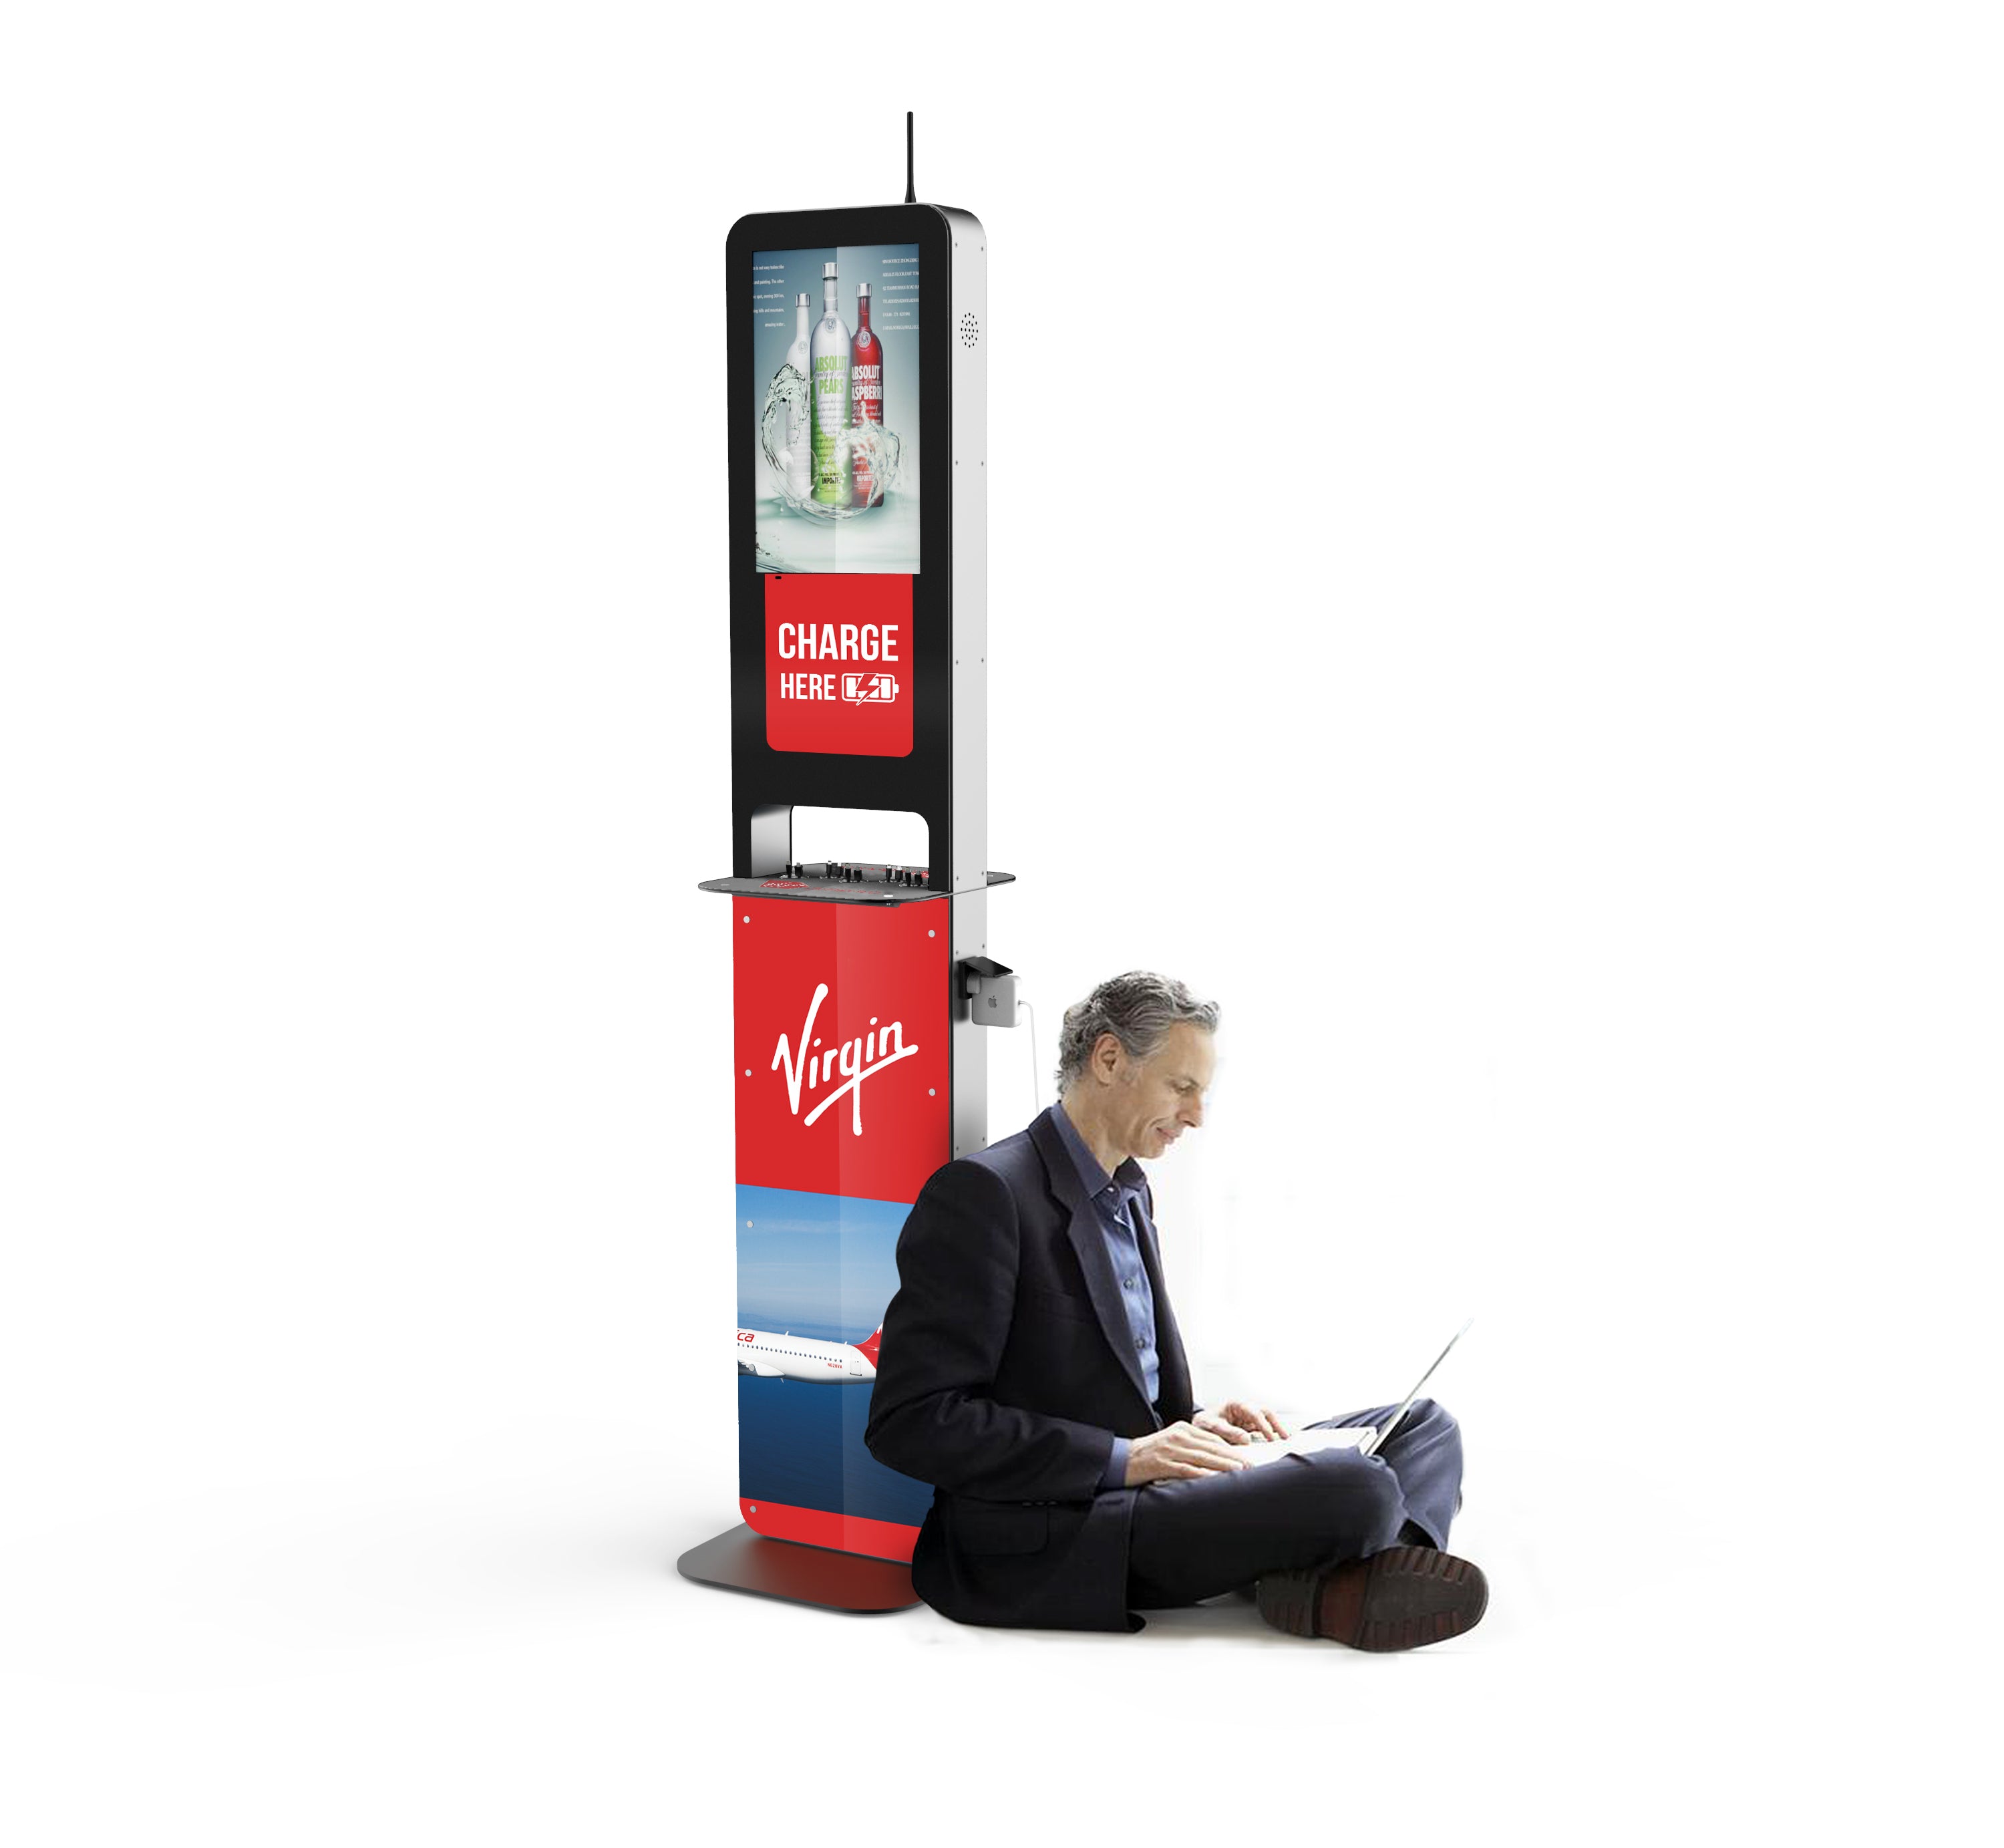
[1127, 1179]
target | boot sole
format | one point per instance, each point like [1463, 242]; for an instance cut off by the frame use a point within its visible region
[1404, 1598]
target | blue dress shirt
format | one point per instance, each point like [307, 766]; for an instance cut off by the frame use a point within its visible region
[1116, 1200]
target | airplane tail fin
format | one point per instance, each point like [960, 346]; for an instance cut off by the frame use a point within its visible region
[868, 1349]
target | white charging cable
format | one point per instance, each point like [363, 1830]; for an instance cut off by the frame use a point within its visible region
[1036, 1071]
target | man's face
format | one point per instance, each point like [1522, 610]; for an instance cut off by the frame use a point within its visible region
[1152, 1101]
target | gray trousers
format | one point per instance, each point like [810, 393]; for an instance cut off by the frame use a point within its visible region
[1195, 1538]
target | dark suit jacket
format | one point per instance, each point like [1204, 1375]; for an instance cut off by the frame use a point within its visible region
[1005, 1371]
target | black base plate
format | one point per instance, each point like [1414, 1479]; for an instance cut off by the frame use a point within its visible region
[740, 1560]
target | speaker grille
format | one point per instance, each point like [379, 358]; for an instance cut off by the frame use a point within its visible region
[970, 330]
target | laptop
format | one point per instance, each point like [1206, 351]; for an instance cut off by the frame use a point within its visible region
[1367, 1439]
[1370, 1445]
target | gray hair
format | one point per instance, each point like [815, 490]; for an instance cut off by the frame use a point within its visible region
[1138, 1009]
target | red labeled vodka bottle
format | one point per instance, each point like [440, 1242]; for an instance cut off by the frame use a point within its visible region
[866, 388]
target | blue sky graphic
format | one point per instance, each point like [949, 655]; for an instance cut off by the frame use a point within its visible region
[816, 1263]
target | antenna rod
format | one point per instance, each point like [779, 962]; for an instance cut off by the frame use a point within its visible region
[911, 197]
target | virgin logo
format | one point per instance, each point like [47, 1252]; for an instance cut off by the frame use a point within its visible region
[854, 1060]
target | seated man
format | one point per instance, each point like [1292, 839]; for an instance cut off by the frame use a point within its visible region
[1031, 1370]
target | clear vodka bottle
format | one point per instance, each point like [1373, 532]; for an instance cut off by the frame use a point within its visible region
[800, 472]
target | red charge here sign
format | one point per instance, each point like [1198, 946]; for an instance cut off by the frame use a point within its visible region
[839, 663]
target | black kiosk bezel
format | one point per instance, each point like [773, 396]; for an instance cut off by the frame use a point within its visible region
[760, 777]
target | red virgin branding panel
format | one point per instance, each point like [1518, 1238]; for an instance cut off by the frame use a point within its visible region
[843, 1533]
[838, 664]
[842, 1056]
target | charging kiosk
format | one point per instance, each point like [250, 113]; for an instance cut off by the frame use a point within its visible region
[860, 981]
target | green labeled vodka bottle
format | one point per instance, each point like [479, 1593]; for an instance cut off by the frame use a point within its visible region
[828, 394]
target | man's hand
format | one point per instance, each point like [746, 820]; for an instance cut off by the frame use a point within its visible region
[1237, 1422]
[1176, 1452]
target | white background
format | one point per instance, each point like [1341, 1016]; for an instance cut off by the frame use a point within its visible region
[1494, 577]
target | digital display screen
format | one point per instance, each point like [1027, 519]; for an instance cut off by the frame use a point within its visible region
[835, 381]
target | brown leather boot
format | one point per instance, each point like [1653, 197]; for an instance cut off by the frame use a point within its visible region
[1402, 1598]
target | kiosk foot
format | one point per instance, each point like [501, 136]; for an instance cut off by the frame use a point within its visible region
[740, 1560]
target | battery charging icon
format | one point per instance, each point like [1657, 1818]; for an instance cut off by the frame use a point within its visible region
[869, 690]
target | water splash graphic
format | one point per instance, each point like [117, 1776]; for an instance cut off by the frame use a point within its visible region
[878, 448]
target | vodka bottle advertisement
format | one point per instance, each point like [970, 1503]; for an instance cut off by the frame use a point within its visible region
[830, 352]
[799, 460]
[866, 390]
[837, 460]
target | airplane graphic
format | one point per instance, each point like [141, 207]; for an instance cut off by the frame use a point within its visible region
[795, 1357]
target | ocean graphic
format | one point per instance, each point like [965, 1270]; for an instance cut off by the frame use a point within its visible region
[823, 1266]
